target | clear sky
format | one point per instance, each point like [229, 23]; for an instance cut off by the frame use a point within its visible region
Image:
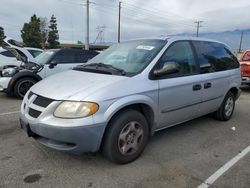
[140, 18]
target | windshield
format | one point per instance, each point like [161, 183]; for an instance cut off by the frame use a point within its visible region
[44, 57]
[131, 57]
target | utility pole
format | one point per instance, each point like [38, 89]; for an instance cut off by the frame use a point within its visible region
[198, 27]
[119, 22]
[241, 38]
[87, 26]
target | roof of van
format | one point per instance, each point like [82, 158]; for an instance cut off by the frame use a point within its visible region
[166, 38]
[177, 38]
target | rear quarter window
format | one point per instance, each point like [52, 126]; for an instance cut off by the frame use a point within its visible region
[214, 57]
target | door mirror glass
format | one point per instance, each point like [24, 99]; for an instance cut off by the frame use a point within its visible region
[170, 67]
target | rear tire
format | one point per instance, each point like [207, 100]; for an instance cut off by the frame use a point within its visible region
[225, 112]
[22, 86]
[126, 137]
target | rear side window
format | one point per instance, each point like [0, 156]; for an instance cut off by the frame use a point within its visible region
[214, 57]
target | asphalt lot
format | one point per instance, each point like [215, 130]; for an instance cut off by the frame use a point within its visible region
[181, 156]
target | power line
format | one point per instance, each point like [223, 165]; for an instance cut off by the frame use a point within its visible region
[72, 2]
[138, 11]
[127, 15]
[157, 12]
[146, 17]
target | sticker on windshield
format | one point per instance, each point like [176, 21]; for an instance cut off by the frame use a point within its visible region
[142, 47]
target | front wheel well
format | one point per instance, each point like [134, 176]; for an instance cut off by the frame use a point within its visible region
[11, 86]
[145, 109]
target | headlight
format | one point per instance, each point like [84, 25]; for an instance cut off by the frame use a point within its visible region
[71, 110]
[8, 72]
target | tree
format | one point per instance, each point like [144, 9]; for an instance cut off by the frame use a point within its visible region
[1, 35]
[53, 33]
[44, 28]
[31, 33]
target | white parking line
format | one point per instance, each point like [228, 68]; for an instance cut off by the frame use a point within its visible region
[9, 113]
[224, 168]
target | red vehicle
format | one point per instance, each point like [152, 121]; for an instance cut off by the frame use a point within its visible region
[245, 67]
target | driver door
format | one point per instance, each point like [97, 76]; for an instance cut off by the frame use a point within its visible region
[180, 94]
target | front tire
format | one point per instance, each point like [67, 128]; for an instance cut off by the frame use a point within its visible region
[225, 112]
[126, 137]
[22, 86]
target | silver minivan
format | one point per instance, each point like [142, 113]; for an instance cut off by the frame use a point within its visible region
[120, 98]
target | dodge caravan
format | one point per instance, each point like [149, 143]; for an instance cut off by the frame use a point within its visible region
[121, 97]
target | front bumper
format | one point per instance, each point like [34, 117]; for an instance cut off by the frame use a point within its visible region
[4, 82]
[75, 139]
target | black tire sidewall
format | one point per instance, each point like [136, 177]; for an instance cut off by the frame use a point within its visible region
[115, 127]
[17, 85]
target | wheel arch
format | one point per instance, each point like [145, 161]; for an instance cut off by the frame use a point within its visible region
[143, 104]
[18, 76]
[235, 91]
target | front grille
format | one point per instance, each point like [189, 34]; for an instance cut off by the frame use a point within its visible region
[34, 113]
[36, 104]
[42, 101]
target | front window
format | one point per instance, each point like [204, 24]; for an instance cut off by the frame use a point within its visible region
[131, 57]
[44, 57]
[182, 54]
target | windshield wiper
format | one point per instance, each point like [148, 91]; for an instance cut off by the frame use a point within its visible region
[121, 71]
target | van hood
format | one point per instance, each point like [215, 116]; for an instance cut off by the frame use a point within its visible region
[69, 85]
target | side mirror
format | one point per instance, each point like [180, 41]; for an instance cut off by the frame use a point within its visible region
[169, 67]
[52, 64]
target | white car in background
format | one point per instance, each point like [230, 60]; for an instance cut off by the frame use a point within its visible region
[16, 81]
[11, 47]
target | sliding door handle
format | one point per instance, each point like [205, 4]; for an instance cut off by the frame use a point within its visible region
[197, 87]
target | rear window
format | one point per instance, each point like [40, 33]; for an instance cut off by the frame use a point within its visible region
[214, 57]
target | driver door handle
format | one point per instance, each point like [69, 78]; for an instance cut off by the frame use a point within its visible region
[207, 85]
